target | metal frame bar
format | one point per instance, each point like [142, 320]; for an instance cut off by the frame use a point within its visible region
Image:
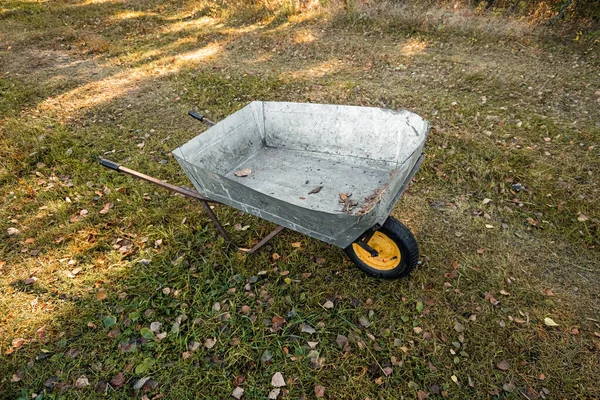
[364, 241]
[195, 195]
[264, 241]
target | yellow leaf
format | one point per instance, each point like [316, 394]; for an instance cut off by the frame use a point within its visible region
[549, 322]
[101, 294]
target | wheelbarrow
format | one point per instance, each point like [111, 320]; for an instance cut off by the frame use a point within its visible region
[331, 172]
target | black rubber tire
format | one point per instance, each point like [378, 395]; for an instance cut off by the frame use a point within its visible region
[409, 250]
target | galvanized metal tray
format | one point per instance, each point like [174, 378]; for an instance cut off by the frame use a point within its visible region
[331, 172]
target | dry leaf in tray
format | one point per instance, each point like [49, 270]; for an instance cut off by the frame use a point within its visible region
[243, 172]
[316, 190]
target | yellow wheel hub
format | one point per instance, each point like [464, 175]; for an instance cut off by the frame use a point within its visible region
[389, 252]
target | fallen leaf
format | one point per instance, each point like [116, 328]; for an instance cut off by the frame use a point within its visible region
[274, 393]
[16, 343]
[454, 379]
[101, 294]
[320, 260]
[297, 244]
[503, 365]
[316, 190]
[30, 280]
[82, 382]
[277, 323]
[319, 391]
[41, 333]
[238, 380]
[114, 332]
[266, 356]
[243, 172]
[106, 207]
[418, 329]
[341, 340]
[210, 343]
[328, 304]
[50, 382]
[422, 395]
[458, 327]
[364, 321]
[17, 376]
[597, 334]
[155, 326]
[504, 292]
[549, 322]
[101, 386]
[387, 371]
[237, 393]
[140, 383]
[312, 345]
[531, 393]
[277, 380]
[491, 299]
[582, 217]
[486, 200]
[307, 328]
[118, 380]
[509, 387]
[276, 256]
[72, 352]
[12, 231]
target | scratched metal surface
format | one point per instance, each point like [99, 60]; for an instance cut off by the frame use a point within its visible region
[294, 148]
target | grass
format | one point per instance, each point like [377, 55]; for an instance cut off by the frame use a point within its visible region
[87, 79]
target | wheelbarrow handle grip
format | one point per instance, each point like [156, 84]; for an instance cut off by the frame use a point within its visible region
[109, 164]
[196, 115]
[200, 117]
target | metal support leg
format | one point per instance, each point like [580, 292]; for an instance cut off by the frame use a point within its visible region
[263, 241]
[215, 221]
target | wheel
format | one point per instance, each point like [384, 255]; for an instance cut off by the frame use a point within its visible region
[397, 248]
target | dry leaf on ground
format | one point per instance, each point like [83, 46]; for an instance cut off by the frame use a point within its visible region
[319, 391]
[277, 380]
